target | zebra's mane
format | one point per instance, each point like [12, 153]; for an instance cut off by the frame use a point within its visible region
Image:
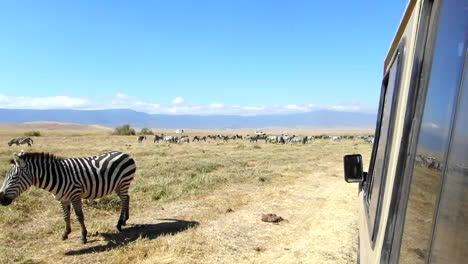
[41, 155]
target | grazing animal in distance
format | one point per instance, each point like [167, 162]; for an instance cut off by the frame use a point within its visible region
[254, 138]
[21, 141]
[281, 139]
[198, 138]
[158, 138]
[141, 138]
[185, 139]
[171, 139]
[335, 138]
[71, 180]
[298, 139]
[271, 139]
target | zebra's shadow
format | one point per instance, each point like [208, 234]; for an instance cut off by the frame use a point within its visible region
[133, 232]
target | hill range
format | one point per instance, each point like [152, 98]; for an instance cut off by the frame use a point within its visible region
[116, 117]
[50, 125]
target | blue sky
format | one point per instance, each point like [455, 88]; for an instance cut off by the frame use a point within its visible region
[195, 57]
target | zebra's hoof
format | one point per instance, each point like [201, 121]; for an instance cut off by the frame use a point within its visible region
[65, 236]
[84, 240]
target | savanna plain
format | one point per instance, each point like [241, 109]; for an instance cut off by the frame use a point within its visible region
[200, 202]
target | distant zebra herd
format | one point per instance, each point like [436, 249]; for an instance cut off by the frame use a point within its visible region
[281, 139]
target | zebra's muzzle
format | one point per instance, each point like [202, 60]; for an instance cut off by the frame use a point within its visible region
[5, 200]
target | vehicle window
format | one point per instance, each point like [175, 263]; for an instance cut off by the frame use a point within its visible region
[378, 173]
[434, 136]
[450, 233]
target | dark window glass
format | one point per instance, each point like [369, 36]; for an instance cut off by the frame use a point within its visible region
[377, 176]
[450, 241]
[433, 141]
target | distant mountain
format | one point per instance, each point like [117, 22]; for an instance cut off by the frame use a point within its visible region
[50, 125]
[116, 117]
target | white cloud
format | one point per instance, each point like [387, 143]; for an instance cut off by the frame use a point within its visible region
[345, 108]
[430, 125]
[124, 96]
[255, 108]
[178, 100]
[216, 105]
[178, 106]
[56, 102]
[3, 98]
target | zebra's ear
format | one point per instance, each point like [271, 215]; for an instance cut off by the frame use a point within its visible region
[19, 160]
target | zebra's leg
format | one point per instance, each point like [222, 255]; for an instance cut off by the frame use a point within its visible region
[127, 212]
[124, 208]
[66, 216]
[80, 216]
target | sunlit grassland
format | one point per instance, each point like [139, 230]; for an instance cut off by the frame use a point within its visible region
[32, 225]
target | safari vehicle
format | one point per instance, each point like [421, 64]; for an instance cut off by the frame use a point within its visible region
[413, 201]
[260, 132]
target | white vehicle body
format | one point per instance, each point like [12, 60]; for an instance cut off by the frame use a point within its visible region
[412, 201]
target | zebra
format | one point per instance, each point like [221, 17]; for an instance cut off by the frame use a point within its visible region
[298, 139]
[272, 139]
[21, 141]
[71, 180]
[158, 138]
[141, 138]
[198, 138]
[254, 138]
[171, 139]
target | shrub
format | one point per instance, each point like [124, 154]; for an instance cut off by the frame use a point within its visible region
[146, 131]
[33, 133]
[124, 130]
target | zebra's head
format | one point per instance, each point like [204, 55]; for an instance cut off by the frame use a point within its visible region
[17, 180]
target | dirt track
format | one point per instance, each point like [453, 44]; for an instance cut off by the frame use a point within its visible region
[320, 226]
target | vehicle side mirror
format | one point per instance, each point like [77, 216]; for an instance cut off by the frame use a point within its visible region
[353, 168]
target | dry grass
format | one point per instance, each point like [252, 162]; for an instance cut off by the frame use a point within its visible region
[195, 203]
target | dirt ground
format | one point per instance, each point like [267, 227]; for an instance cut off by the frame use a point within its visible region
[320, 226]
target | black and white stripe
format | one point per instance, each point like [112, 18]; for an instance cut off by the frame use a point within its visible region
[21, 141]
[71, 180]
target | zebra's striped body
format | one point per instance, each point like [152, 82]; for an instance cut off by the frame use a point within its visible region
[72, 179]
[21, 141]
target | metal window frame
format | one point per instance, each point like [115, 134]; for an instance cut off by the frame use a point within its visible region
[373, 218]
